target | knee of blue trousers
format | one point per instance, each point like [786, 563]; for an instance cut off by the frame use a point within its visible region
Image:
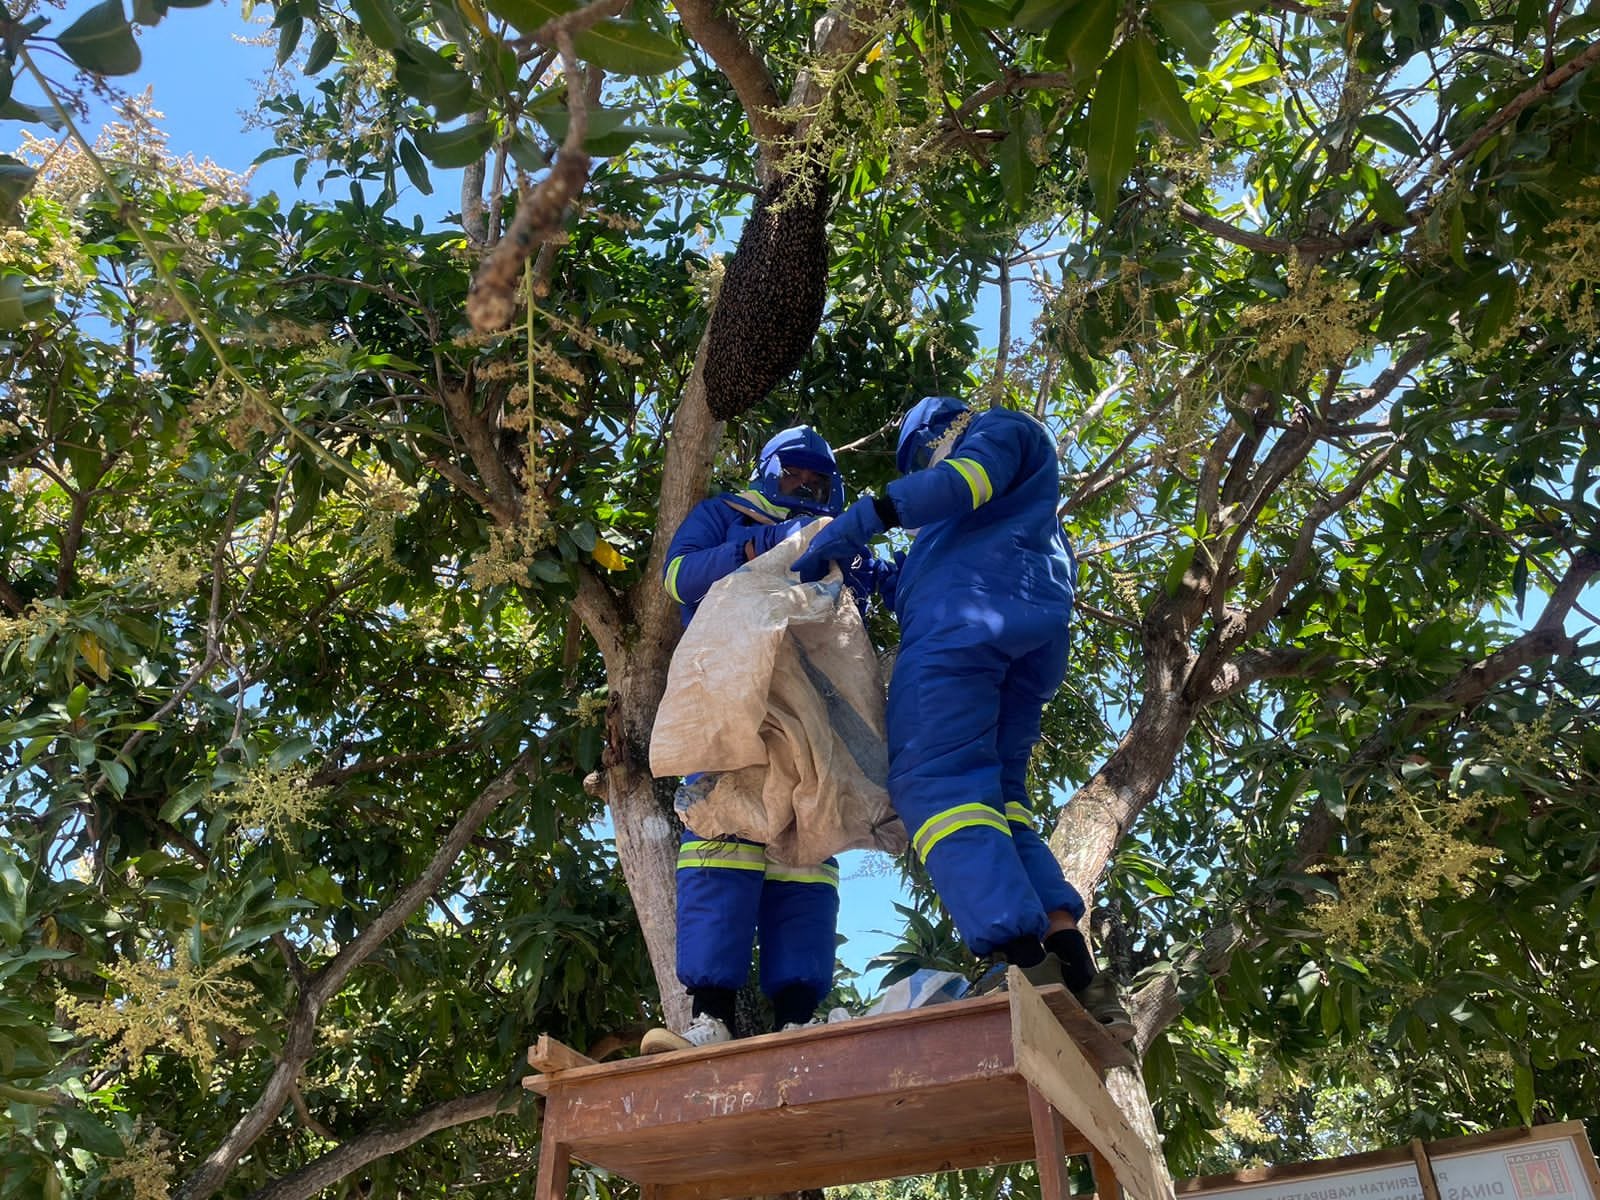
[981, 880]
[1044, 873]
[798, 929]
[719, 884]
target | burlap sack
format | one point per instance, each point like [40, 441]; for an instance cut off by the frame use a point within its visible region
[775, 688]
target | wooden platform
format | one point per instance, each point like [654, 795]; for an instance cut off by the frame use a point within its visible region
[996, 1079]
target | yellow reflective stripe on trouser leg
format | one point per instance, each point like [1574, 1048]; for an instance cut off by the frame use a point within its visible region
[732, 856]
[977, 478]
[821, 873]
[672, 578]
[1019, 814]
[963, 816]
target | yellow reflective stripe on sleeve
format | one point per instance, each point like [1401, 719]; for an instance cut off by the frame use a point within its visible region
[821, 873]
[733, 856]
[977, 478]
[765, 505]
[672, 578]
[963, 816]
[1020, 814]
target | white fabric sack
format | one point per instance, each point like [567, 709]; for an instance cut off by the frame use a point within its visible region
[775, 688]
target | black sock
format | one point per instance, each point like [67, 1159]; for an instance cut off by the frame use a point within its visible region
[716, 1002]
[794, 1005]
[1077, 964]
[1023, 952]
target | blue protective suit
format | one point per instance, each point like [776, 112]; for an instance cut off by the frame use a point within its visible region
[984, 599]
[728, 894]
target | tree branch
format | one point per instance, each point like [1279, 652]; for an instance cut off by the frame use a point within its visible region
[384, 1140]
[1547, 638]
[1157, 1004]
[492, 297]
[300, 1036]
[715, 33]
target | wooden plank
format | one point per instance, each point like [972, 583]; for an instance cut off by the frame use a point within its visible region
[1050, 1060]
[920, 1125]
[548, 1056]
[926, 1161]
[1425, 1179]
[1106, 1186]
[555, 1163]
[1049, 1149]
[789, 1071]
[1581, 1148]
[942, 1020]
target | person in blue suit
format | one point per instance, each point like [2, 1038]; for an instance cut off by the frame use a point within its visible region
[728, 893]
[984, 599]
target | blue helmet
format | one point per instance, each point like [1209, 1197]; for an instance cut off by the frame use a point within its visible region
[921, 430]
[803, 447]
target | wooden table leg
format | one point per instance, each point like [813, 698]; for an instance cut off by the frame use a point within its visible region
[555, 1159]
[1049, 1150]
[1105, 1179]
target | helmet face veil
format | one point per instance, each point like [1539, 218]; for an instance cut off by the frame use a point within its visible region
[788, 470]
[921, 430]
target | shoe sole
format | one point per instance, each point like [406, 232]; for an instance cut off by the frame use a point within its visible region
[1123, 1032]
[661, 1041]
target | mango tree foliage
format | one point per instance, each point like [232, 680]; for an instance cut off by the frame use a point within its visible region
[333, 620]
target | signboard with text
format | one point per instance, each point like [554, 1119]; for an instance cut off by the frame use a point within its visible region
[1546, 1162]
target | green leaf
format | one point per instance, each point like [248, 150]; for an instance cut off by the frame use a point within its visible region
[626, 47]
[77, 701]
[989, 15]
[101, 41]
[1036, 16]
[15, 110]
[15, 179]
[456, 147]
[1522, 1076]
[432, 78]
[1496, 311]
[619, 45]
[1014, 159]
[13, 899]
[1528, 14]
[1381, 194]
[1158, 88]
[323, 47]
[1381, 127]
[90, 1132]
[290, 751]
[181, 801]
[1113, 127]
[289, 38]
[380, 23]
[320, 886]
[1178, 568]
[1082, 41]
[1191, 26]
[416, 170]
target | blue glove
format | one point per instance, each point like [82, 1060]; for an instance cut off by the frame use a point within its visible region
[765, 537]
[845, 538]
[868, 576]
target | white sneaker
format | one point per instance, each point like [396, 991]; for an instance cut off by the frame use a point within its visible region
[704, 1030]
